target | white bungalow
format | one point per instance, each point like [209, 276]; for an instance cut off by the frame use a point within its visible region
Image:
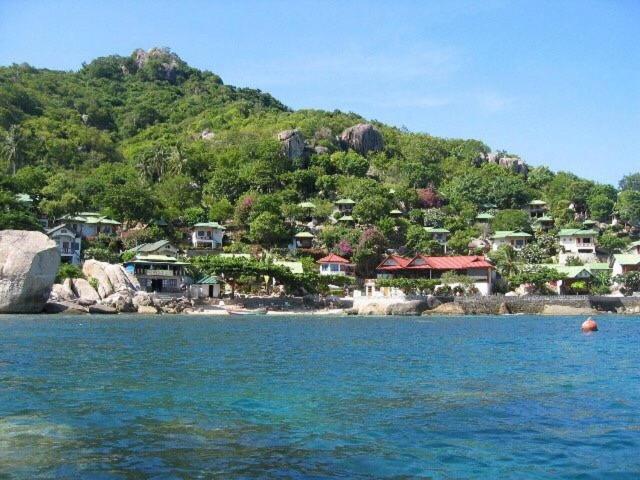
[633, 248]
[624, 263]
[91, 224]
[516, 238]
[577, 242]
[207, 235]
[537, 208]
[69, 243]
[345, 205]
[334, 264]
[440, 235]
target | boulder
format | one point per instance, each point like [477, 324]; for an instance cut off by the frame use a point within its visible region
[373, 309]
[84, 291]
[121, 301]
[147, 309]
[362, 138]
[207, 135]
[320, 150]
[292, 143]
[450, 308]
[102, 310]
[504, 309]
[110, 278]
[61, 291]
[408, 307]
[516, 164]
[28, 266]
[63, 306]
[143, 299]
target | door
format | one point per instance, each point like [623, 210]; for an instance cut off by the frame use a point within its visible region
[156, 285]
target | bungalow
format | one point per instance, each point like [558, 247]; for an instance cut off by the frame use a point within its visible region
[516, 238]
[345, 206]
[395, 213]
[347, 220]
[624, 263]
[573, 274]
[161, 247]
[69, 243]
[158, 273]
[633, 248]
[421, 266]
[207, 235]
[302, 240]
[334, 264]
[91, 224]
[544, 223]
[440, 235]
[484, 217]
[537, 208]
[206, 287]
[577, 242]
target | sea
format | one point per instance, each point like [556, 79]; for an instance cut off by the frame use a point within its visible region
[315, 397]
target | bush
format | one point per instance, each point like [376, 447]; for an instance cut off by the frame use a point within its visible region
[68, 270]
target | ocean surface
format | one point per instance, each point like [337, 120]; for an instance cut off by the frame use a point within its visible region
[133, 397]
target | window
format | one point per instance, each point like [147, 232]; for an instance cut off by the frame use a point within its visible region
[200, 233]
[586, 240]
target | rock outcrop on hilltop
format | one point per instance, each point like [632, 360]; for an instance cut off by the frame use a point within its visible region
[292, 142]
[28, 266]
[362, 138]
[516, 164]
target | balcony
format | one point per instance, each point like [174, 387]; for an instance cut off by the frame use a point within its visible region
[159, 273]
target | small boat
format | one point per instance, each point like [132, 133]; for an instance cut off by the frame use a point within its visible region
[256, 311]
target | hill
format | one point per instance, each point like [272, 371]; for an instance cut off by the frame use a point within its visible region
[146, 137]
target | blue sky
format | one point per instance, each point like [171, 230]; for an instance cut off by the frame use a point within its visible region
[557, 82]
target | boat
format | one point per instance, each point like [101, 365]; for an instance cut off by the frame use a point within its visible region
[255, 311]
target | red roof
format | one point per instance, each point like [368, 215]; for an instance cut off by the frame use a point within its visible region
[394, 262]
[333, 258]
[423, 262]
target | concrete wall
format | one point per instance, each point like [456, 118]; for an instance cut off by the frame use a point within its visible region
[535, 304]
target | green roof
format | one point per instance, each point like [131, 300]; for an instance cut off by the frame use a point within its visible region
[627, 259]
[151, 247]
[209, 280]
[544, 218]
[345, 201]
[577, 232]
[90, 218]
[537, 202]
[597, 266]
[436, 230]
[589, 222]
[632, 245]
[306, 205]
[510, 234]
[396, 212]
[489, 206]
[304, 235]
[346, 218]
[568, 270]
[210, 225]
[484, 216]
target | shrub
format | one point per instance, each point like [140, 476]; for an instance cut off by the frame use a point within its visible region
[68, 270]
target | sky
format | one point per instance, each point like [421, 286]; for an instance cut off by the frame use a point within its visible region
[556, 82]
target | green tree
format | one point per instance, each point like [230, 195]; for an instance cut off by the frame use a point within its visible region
[511, 220]
[268, 229]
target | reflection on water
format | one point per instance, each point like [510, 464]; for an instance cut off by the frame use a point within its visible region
[184, 397]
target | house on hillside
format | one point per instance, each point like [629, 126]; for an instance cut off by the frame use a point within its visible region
[158, 273]
[334, 264]
[302, 240]
[573, 274]
[516, 238]
[90, 224]
[475, 267]
[624, 263]
[209, 286]
[69, 243]
[207, 235]
[345, 206]
[440, 235]
[161, 247]
[537, 208]
[544, 223]
[484, 218]
[577, 242]
[633, 248]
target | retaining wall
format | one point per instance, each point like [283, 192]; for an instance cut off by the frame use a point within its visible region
[535, 304]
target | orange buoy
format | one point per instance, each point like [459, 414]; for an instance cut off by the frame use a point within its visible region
[589, 325]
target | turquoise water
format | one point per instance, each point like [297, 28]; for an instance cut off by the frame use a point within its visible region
[295, 397]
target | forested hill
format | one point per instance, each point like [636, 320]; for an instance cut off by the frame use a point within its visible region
[147, 136]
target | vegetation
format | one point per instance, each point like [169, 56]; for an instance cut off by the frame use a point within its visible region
[67, 270]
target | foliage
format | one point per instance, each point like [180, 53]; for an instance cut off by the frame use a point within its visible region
[537, 276]
[574, 261]
[628, 206]
[511, 220]
[268, 229]
[68, 270]
[630, 282]
[409, 285]
[611, 242]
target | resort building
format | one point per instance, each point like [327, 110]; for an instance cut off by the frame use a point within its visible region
[91, 224]
[537, 208]
[544, 223]
[633, 248]
[334, 264]
[69, 243]
[440, 235]
[158, 273]
[475, 267]
[345, 206]
[302, 240]
[484, 218]
[161, 247]
[573, 274]
[207, 287]
[577, 242]
[515, 238]
[207, 235]
[624, 263]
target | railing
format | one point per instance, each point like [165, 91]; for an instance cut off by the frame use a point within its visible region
[68, 251]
